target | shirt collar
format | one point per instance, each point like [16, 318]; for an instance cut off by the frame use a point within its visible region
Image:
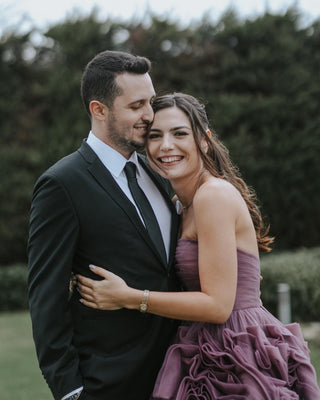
[134, 159]
[111, 158]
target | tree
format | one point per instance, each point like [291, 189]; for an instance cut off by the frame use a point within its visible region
[259, 80]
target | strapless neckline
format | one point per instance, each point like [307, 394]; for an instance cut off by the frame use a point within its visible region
[247, 253]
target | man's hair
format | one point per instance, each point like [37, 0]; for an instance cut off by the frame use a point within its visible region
[98, 80]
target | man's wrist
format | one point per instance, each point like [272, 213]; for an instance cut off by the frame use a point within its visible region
[74, 396]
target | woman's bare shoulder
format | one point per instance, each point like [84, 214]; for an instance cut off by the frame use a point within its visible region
[216, 191]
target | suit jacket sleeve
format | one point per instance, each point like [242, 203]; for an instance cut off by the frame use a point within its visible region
[52, 239]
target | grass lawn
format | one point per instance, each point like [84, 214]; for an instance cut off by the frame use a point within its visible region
[315, 357]
[20, 376]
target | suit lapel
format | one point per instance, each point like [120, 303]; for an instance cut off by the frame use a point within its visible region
[105, 179]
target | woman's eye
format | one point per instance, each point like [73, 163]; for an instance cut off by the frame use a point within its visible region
[153, 136]
[181, 133]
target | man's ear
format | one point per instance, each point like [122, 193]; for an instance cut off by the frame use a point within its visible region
[98, 110]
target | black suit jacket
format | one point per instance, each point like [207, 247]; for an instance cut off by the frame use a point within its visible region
[79, 215]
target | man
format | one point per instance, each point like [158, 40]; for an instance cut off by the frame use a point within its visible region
[85, 211]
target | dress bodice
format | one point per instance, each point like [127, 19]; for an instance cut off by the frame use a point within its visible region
[248, 282]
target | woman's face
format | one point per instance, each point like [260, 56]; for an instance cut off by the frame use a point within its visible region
[171, 147]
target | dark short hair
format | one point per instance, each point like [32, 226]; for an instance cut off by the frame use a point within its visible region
[98, 80]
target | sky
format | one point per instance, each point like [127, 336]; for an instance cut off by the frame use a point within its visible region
[41, 14]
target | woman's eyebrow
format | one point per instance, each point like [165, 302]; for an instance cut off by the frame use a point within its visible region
[172, 129]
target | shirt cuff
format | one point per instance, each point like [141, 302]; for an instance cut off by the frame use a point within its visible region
[71, 393]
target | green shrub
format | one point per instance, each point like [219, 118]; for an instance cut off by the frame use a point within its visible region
[13, 288]
[300, 269]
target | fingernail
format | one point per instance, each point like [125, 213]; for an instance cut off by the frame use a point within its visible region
[91, 266]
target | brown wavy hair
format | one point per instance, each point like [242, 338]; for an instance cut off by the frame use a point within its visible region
[216, 160]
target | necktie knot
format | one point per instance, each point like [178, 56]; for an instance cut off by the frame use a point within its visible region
[130, 170]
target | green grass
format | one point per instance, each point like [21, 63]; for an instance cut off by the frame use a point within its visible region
[315, 357]
[20, 376]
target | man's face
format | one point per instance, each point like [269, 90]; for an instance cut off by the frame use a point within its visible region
[131, 114]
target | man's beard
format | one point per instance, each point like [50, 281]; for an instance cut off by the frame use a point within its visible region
[121, 142]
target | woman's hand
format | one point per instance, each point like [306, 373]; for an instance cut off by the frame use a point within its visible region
[107, 294]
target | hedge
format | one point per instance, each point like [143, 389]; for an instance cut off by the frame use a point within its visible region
[300, 269]
[13, 288]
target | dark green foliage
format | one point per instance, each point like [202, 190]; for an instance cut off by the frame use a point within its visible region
[259, 80]
[13, 288]
[301, 271]
[18, 169]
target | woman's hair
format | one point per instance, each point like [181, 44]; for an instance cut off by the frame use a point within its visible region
[216, 159]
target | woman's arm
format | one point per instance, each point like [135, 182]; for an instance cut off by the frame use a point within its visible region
[215, 217]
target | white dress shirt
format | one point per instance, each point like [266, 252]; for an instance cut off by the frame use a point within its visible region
[115, 163]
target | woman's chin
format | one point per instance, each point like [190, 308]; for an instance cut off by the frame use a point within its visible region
[158, 169]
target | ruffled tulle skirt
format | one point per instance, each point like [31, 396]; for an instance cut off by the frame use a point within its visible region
[251, 356]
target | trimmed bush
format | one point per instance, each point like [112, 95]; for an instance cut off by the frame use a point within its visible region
[13, 288]
[300, 269]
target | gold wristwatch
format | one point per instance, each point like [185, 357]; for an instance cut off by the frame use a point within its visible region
[144, 302]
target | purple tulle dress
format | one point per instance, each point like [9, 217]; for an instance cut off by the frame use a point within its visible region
[252, 356]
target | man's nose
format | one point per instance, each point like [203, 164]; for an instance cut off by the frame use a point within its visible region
[148, 113]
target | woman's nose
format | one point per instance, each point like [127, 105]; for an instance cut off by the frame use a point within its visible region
[166, 143]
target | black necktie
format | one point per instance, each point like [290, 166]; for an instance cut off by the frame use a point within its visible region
[145, 208]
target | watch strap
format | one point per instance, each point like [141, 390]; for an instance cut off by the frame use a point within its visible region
[144, 301]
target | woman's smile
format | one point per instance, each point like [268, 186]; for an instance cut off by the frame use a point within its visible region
[170, 160]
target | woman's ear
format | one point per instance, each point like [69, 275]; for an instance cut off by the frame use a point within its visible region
[204, 145]
[98, 110]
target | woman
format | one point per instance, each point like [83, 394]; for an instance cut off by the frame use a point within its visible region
[233, 348]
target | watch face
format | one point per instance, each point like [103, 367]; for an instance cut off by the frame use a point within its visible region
[143, 307]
